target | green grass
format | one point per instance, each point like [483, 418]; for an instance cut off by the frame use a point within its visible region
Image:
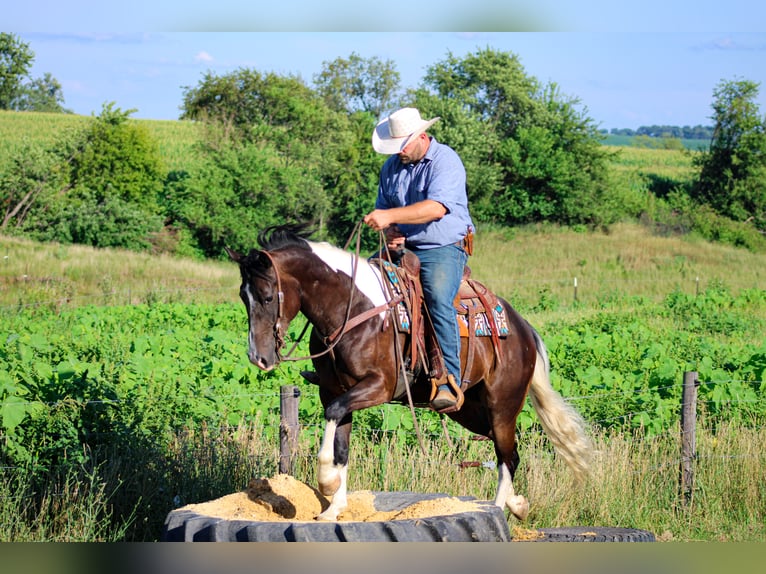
[523, 265]
[635, 479]
[634, 483]
[630, 141]
[176, 139]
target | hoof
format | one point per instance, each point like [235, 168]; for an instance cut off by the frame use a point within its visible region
[329, 515]
[519, 506]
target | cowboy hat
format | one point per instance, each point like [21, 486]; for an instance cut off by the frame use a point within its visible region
[392, 134]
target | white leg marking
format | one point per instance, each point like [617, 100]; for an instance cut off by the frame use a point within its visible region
[339, 501]
[328, 475]
[504, 485]
[506, 495]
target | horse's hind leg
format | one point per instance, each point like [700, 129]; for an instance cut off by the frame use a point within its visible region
[506, 495]
[332, 472]
[504, 437]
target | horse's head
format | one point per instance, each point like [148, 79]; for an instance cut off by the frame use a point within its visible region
[261, 292]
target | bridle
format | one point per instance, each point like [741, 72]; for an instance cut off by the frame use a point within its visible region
[348, 322]
[279, 338]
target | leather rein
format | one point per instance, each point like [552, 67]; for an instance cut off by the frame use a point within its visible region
[348, 322]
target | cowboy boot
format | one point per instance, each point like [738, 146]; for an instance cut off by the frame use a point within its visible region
[446, 395]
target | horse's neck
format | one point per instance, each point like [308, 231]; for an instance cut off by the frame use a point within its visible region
[325, 297]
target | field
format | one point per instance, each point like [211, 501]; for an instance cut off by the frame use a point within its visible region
[176, 139]
[149, 355]
[125, 390]
[629, 141]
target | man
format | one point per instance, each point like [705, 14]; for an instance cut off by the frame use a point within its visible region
[422, 205]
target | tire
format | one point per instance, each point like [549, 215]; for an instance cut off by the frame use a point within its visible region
[591, 534]
[486, 525]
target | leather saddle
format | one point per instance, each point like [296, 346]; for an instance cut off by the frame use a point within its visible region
[478, 311]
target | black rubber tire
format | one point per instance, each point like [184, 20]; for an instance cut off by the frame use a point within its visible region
[594, 534]
[486, 525]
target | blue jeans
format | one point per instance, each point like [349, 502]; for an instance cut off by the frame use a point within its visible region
[441, 270]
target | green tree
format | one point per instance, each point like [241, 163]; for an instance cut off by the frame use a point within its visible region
[732, 177]
[41, 95]
[274, 152]
[100, 186]
[15, 60]
[358, 84]
[531, 154]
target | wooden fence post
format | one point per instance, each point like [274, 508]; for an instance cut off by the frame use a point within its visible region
[289, 396]
[688, 434]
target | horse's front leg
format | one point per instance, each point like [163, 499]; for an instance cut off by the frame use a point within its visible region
[333, 467]
[333, 454]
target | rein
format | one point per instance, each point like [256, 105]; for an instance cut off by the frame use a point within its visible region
[348, 323]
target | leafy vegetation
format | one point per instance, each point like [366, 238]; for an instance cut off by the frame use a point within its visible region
[266, 148]
[90, 385]
[125, 374]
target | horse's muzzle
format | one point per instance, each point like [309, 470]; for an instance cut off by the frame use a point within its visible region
[262, 363]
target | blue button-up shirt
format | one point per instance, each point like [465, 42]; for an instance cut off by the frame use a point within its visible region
[439, 176]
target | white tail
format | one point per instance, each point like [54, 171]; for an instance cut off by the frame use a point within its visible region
[560, 421]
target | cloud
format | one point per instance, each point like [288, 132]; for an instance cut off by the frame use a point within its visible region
[728, 44]
[203, 57]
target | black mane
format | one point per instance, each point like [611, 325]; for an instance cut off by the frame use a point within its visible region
[287, 235]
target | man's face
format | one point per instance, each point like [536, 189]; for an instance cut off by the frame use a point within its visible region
[414, 151]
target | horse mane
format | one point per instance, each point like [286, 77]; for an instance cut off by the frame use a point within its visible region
[286, 235]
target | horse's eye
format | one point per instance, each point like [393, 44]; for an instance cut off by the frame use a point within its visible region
[269, 298]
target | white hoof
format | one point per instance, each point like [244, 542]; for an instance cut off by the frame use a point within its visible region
[519, 506]
[329, 515]
[333, 511]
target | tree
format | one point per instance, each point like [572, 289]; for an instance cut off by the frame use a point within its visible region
[275, 152]
[732, 178]
[358, 84]
[15, 60]
[98, 186]
[41, 95]
[531, 154]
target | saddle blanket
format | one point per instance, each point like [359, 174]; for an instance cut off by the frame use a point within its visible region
[465, 307]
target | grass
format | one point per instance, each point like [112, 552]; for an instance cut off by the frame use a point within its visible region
[176, 139]
[635, 480]
[534, 268]
[35, 274]
[634, 483]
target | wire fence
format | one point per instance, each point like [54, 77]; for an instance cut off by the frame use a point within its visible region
[309, 428]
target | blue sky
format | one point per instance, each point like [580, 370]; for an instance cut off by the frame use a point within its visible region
[654, 64]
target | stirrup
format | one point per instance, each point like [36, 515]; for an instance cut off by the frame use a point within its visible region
[443, 401]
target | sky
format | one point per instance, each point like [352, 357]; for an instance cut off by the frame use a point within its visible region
[657, 63]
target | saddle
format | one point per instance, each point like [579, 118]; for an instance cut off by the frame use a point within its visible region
[478, 313]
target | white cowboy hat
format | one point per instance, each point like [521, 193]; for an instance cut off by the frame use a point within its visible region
[393, 133]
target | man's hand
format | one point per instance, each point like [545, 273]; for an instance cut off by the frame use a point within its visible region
[378, 219]
[421, 212]
[394, 238]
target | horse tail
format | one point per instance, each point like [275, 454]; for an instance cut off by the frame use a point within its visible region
[560, 421]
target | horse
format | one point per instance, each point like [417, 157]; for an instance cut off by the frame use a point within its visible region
[353, 345]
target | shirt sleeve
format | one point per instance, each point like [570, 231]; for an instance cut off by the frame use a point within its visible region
[447, 182]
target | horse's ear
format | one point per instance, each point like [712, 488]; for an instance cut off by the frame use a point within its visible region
[233, 255]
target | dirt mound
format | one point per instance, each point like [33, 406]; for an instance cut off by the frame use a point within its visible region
[283, 498]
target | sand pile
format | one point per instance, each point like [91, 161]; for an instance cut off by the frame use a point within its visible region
[283, 498]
